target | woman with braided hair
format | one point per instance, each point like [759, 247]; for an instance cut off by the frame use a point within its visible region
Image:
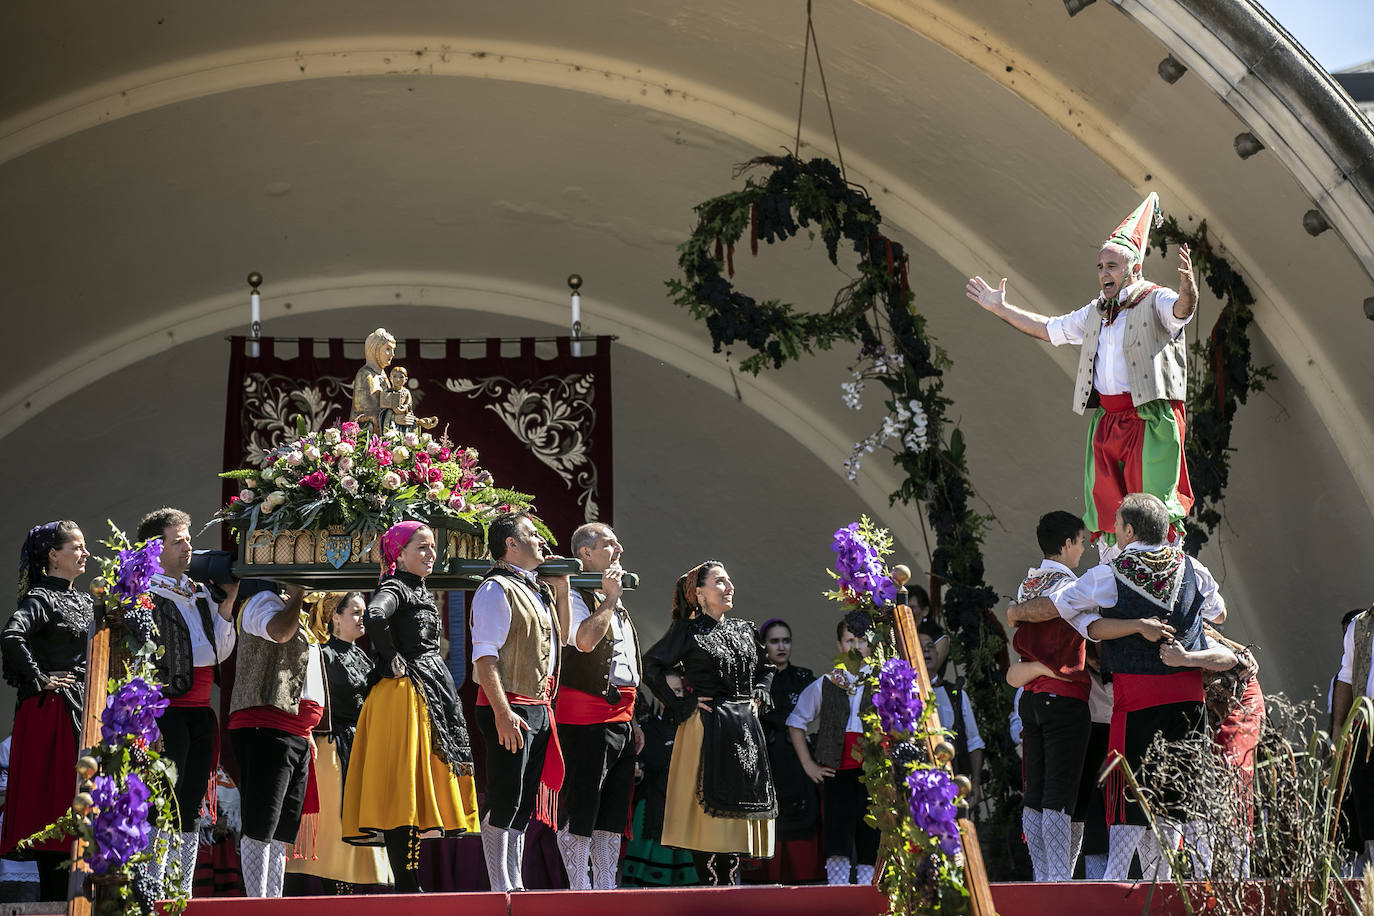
[721, 802]
[44, 647]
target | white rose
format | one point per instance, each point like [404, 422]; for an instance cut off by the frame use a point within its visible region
[312, 452]
[412, 440]
[457, 503]
[345, 465]
[269, 475]
[435, 493]
[343, 448]
[247, 496]
[332, 435]
[433, 447]
[399, 454]
[348, 482]
[391, 480]
[295, 457]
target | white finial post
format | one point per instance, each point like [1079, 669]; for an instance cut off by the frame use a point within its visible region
[575, 284]
[255, 310]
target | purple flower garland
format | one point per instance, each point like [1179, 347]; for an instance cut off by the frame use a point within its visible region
[137, 568]
[860, 568]
[932, 806]
[897, 700]
[133, 711]
[120, 830]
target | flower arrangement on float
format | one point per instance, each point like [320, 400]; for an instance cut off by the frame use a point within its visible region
[126, 805]
[913, 799]
[359, 481]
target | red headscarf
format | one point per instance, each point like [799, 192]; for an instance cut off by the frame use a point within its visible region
[394, 541]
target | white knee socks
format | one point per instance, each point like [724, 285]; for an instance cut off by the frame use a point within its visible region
[605, 859]
[1030, 827]
[515, 859]
[253, 859]
[837, 870]
[575, 851]
[1056, 837]
[495, 848]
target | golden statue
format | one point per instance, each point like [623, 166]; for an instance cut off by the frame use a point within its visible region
[397, 402]
[370, 384]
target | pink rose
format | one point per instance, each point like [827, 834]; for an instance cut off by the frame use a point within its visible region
[444, 453]
[457, 503]
[317, 480]
[350, 430]
[247, 496]
[434, 475]
[421, 458]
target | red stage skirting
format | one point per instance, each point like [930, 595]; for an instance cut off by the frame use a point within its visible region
[1095, 898]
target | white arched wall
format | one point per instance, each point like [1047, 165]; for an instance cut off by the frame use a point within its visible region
[491, 296]
[632, 83]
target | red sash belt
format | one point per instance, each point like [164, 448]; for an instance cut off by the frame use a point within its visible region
[1116, 403]
[300, 723]
[577, 707]
[199, 694]
[1132, 693]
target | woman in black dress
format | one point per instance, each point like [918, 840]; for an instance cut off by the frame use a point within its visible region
[797, 859]
[44, 646]
[720, 801]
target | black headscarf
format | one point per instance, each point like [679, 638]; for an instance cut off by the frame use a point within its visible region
[33, 556]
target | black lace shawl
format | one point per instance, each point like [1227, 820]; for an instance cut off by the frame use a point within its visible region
[405, 629]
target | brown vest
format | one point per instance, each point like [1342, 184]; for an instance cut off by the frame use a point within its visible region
[590, 672]
[270, 673]
[527, 658]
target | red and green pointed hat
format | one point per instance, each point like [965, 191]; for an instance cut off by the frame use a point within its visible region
[1134, 232]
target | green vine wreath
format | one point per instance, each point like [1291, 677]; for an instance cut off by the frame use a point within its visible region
[1222, 376]
[875, 311]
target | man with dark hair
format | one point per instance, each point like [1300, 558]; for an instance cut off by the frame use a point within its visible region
[194, 640]
[517, 622]
[1149, 593]
[833, 704]
[596, 727]
[1055, 723]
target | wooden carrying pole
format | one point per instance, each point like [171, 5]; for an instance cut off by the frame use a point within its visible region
[97, 680]
[909, 647]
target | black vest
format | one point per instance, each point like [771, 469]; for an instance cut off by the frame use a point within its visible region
[833, 719]
[590, 672]
[1135, 654]
[176, 668]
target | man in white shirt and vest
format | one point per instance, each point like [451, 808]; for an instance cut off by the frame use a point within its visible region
[1133, 365]
[596, 726]
[517, 619]
[195, 634]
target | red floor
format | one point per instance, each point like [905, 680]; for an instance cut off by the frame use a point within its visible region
[1088, 899]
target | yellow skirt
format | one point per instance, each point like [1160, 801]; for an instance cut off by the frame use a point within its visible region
[394, 779]
[686, 825]
[320, 845]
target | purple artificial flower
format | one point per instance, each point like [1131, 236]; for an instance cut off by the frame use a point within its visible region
[120, 828]
[137, 568]
[932, 806]
[859, 567]
[132, 711]
[897, 698]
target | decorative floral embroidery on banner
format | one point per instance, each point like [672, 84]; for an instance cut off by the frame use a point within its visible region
[554, 416]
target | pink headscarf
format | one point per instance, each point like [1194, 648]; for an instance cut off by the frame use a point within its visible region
[394, 541]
